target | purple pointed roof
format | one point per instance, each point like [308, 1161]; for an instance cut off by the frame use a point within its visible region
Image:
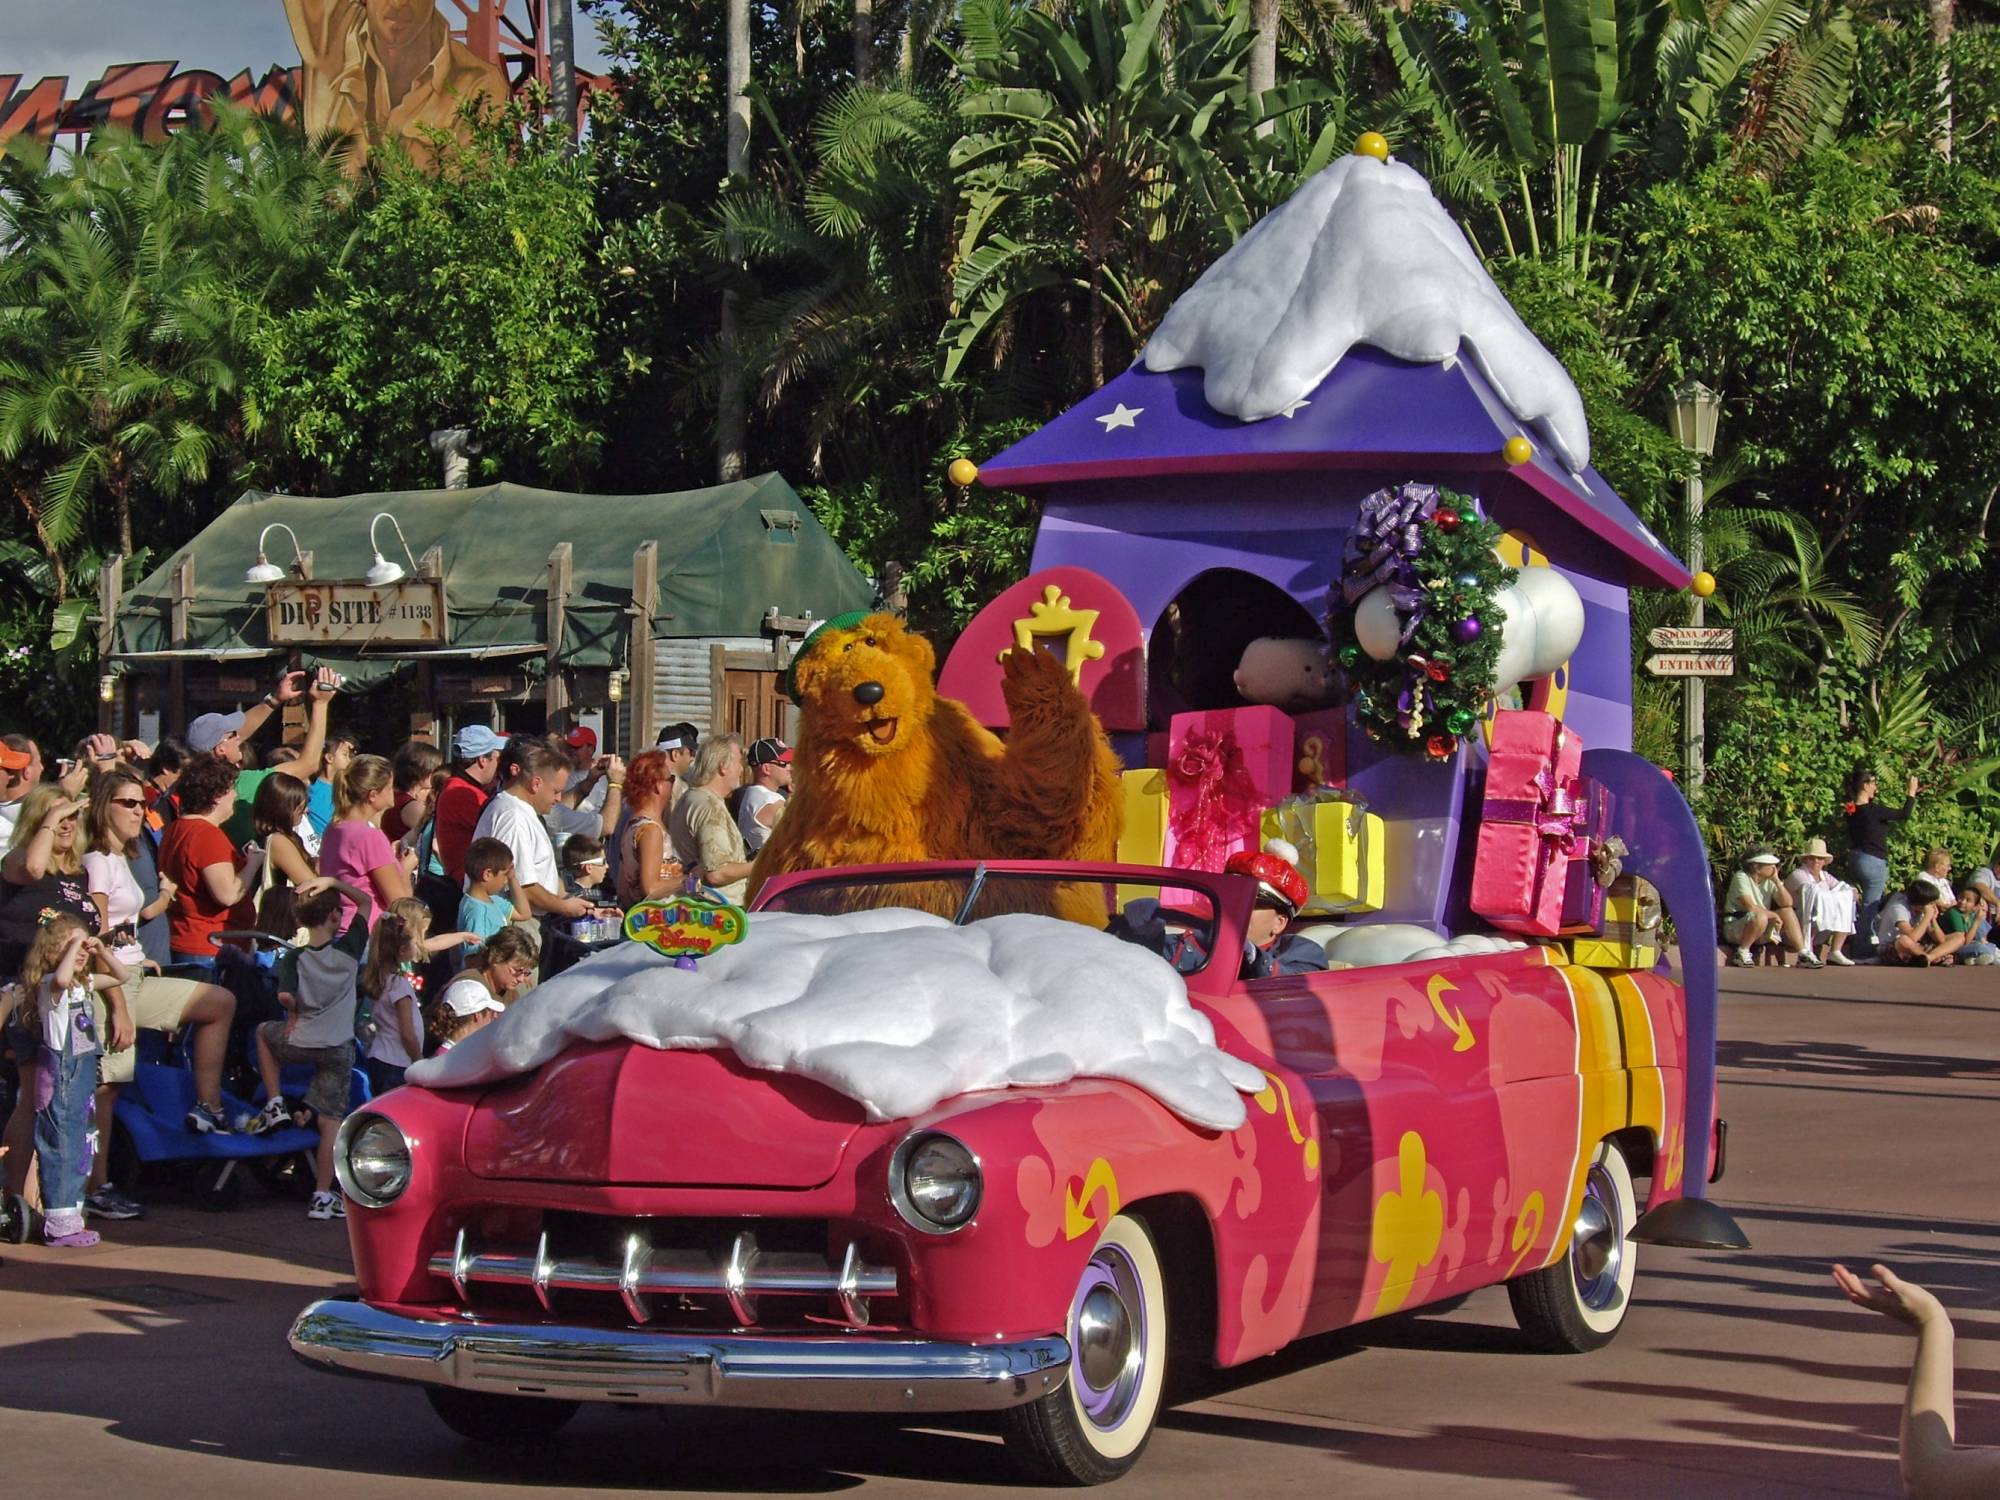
[1372, 412]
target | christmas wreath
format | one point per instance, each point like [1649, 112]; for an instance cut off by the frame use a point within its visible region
[1414, 622]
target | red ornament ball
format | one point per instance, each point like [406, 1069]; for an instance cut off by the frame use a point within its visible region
[1447, 520]
[1439, 746]
[1438, 671]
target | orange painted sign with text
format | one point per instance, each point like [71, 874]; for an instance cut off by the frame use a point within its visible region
[685, 926]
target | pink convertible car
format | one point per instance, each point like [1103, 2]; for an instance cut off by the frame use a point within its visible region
[646, 1227]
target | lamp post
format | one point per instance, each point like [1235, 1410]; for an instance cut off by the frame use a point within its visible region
[1692, 419]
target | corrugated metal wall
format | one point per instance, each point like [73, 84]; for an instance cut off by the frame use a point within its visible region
[682, 675]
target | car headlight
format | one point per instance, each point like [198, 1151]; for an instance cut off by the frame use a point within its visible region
[934, 1182]
[372, 1160]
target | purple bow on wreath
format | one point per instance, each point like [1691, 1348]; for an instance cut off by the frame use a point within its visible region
[1382, 552]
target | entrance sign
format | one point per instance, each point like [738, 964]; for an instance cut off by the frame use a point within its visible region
[316, 613]
[1691, 664]
[1692, 638]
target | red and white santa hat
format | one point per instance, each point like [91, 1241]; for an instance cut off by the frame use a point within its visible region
[1275, 868]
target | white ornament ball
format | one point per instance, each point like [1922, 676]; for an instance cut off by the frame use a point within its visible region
[1377, 628]
[1517, 638]
[1558, 618]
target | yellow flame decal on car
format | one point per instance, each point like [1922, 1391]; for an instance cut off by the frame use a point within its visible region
[1099, 1179]
[1453, 1017]
[1274, 1093]
[1527, 1229]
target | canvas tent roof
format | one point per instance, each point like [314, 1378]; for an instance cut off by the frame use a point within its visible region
[726, 555]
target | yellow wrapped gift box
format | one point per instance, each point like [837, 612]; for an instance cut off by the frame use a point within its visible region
[1631, 936]
[1342, 850]
[1144, 841]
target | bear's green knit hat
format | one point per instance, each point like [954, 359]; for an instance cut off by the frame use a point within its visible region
[812, 637]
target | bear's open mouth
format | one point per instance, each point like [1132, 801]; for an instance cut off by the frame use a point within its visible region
[882, 731]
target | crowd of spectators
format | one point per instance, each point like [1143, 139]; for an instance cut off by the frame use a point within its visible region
[371, 908]
[1814, 917]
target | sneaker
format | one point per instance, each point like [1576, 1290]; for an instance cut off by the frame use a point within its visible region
[274, 1116]
[1810, 961]
[208, 1119]
[1741, 959]
[327, 1206]
[1840, 959]
[108, 1203]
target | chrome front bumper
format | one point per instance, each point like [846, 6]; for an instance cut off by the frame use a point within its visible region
[805, 1373]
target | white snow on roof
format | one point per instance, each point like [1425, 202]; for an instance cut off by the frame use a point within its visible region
[898, 1010]
[1362, 254]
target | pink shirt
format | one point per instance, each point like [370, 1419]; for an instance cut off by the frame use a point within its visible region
[348, 852]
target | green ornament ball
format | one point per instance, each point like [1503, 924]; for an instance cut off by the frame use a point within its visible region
[1459, 722]
[1350, 655]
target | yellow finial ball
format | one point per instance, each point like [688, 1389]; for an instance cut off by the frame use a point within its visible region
[962, 472]
[1517, 450]
[1372, 143]
[1702, 584]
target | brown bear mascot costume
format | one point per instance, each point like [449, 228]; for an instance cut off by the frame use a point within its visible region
[886, 772]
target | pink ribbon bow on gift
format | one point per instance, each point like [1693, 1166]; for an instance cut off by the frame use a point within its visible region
[1217, 802]
[1560, 817]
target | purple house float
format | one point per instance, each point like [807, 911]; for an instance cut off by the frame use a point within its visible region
[1200, 500]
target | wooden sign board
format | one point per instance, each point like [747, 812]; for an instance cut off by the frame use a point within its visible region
[1690, 664]
[1692, 638]
[316, 613]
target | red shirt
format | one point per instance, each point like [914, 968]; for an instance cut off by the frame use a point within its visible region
[454, 818]
[190, 846]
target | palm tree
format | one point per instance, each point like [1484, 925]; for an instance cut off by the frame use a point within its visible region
[1101, 167]
[130, 284]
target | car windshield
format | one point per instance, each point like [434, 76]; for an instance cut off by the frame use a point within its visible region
[1175, 922]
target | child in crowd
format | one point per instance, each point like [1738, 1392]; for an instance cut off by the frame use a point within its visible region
[318, 985]
[492, 898]
[584, 867]
[1961, 921]
[1907, 929]
[504, 966]
[64, 968]
[391, 989]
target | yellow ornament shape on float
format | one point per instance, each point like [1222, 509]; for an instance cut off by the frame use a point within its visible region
[1372, 143]
[962, 472]
[1409, 1225]
[1702, 584]
[1056, 619]
[1517, 450]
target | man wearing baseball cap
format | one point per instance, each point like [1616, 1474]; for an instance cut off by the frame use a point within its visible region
[475, 760]
[20, 769]
[224, 734]
[763, 798]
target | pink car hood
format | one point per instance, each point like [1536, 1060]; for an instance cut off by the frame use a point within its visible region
[618, 1112]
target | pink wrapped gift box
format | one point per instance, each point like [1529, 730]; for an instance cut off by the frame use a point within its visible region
[1224, 767]
[1521, 862]
[1583, 892]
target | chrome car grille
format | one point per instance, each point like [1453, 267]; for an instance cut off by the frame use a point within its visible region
[738, 1281]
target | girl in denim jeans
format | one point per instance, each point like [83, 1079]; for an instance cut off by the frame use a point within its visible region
[64, 968]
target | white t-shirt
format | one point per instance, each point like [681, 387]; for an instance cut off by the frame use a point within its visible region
[1895, 912]
[68, 1027]
[511, 820]
[754, 800]
[10, 815]
[387, 1044]
[110, 876]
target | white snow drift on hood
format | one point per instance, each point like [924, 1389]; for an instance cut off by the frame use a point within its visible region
[1362, 254]
[897, 1010]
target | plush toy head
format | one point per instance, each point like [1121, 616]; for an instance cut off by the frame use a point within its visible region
[860, 680]
[1284, 673]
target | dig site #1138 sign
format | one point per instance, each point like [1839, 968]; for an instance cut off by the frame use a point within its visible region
[685, 927]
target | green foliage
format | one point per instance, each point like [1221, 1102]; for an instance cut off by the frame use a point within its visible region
[469, 298]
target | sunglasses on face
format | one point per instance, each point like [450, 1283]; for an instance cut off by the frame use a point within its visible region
[128, 801]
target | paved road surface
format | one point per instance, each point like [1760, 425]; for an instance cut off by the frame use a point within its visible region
[1864, 1113]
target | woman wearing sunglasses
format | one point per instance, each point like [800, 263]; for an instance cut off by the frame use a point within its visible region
[43, 874]
[114, 861]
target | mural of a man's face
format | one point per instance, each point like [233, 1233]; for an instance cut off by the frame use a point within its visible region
[396, 23]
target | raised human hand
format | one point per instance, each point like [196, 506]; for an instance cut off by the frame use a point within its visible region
[1894, 1297]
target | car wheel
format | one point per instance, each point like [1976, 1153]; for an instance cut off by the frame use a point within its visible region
[1579, 1303]
[1094, 1428]
[507, 1421]
[16, 1223]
